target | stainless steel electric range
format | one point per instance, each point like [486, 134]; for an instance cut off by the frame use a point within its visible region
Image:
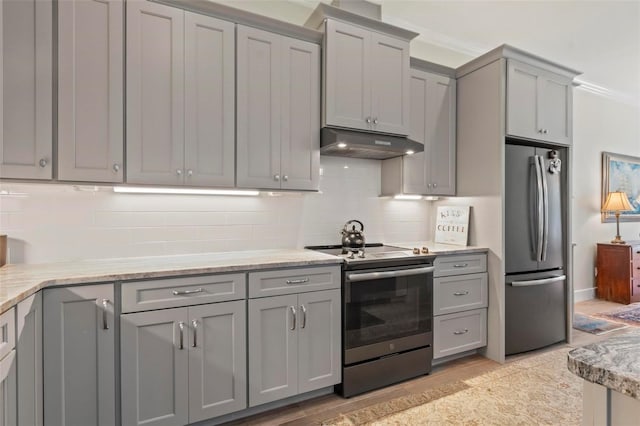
[387, 315]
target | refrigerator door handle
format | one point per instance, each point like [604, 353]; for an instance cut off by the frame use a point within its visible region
[545, 209]
[539, 209]
[538, 282]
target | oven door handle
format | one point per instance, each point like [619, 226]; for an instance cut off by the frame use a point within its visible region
[353, 277]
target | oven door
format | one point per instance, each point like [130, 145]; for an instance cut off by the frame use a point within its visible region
[387, 311]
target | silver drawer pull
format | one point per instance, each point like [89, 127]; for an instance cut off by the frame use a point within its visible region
[181, 342]
[183, 292]
[459, 332]
[293, 313]
[194, 323]
[105, 308]
[460, 293]
[460, 265]
[300, 281]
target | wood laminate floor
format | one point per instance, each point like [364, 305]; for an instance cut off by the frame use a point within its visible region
[316, 410]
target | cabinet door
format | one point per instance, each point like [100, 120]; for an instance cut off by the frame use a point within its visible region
[8, 389]
[155, 93]
[441, 119]
[258, 134]
[273, 348]
[209, 101]
[556, 102]
[319, 354]
[29, 357]
[26, 85]
[154, 363]
[414, 167]
[347, 76]
[300, 149]
[389, 84]
[217, 360]
[79, 355]
[522, 100]
[90, 90]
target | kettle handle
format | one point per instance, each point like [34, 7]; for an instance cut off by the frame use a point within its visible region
[354, 221]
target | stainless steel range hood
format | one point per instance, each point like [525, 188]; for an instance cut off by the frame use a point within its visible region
[375, 146]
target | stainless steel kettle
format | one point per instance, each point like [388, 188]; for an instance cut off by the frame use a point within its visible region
[353, 239]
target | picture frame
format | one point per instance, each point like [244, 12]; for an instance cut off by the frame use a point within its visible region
[621, 173]
[452, 225]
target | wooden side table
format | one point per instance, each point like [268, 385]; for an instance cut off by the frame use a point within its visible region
[618, 272]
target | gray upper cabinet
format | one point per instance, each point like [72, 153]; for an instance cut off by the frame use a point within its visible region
[278, 98]
[539, 104]
[180, 97]
[433, 122]
[79, 355]
[26, 89]
[29, 357]
[366, 79]
[90, 90]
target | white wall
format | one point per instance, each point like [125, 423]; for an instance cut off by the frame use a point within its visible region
[600, 124]
[57, 222]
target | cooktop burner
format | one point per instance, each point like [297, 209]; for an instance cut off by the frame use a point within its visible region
[371, 253]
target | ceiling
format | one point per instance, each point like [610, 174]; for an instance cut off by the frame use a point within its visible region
[599, 37]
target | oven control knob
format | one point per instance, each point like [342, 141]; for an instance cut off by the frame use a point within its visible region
[424, 250]
[416, 250]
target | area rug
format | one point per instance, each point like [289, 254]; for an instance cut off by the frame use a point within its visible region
[629, 314]
[537, 390]
[595, 325]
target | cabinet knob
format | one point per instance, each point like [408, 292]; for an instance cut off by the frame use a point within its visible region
[276, 177]
[435, 184]
[43, 162]
[428, 185]
[375, 120]
[285, 178]
[368, 120]
[189, 172]
[116, 167]
[179, 172]
[545, 131]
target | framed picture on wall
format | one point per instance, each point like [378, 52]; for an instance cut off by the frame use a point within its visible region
[621, 173]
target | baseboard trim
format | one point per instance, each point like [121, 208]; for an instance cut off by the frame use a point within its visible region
[584, 294]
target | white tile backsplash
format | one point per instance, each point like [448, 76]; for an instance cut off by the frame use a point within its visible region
[60, 222]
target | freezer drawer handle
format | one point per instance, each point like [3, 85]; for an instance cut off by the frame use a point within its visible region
[539, 282]
[391, 274]
[457, 333]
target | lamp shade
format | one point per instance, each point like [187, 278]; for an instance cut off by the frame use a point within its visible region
[617, 202]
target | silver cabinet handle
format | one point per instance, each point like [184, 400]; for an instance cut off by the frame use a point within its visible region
[116, 167]
[105, 308]
[460, 265]
[460, 293]
[375, 120]
[285, 178]
[194, 323]
[459, 332]
[368, 120]
[43, 162]
[181, 340]
[179, 172]
[304, 316]
[276, 177]
[293, 313]
[183, 292]
[299, 281]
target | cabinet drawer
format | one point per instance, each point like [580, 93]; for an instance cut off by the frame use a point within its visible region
[635, 264]
[174, 292]
[459, 293]
[7, 332]
[459, 332]
[287, 281]
[460, 264]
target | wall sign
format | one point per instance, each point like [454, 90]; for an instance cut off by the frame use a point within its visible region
[452, 225]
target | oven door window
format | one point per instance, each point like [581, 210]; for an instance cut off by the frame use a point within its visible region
[384, 309]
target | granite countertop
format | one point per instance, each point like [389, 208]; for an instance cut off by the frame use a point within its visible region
[17, 282]
[437, 248]
[614, 363]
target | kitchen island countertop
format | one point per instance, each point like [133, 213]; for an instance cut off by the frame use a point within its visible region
[613, 363]
[19, 281]
[438, 248]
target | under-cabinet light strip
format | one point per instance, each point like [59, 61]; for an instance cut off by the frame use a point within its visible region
[407, 197]
[185, 191]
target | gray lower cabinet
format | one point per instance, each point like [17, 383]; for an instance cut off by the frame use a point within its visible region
[79, 355]
[29, 359]
[183, 365]
[294, 344]
[7, 368]
[91, 90]
[26, 89]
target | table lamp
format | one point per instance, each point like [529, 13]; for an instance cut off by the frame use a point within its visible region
[617, 202]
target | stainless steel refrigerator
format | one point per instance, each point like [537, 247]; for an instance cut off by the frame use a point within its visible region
[535, 282]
